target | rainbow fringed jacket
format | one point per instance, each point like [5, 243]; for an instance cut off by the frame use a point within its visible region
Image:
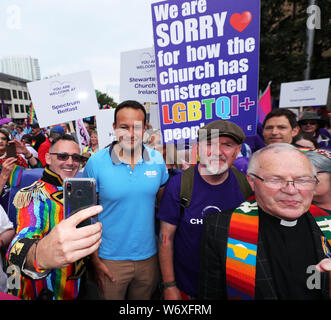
[39, 209]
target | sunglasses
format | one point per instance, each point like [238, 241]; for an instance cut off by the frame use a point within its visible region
[63, 156]
[311, 122]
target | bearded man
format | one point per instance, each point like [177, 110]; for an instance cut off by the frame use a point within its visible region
[217, 186]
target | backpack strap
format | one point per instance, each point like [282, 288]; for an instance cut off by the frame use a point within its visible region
[244, 186]
[187, 180]
[186, 189]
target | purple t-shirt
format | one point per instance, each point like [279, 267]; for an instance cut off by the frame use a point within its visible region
[206, 199]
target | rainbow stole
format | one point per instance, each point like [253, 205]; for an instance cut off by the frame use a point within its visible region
[241, 251]
[323, 220]
[242, 248]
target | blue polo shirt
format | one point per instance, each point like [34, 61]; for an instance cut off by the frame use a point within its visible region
[128, 200]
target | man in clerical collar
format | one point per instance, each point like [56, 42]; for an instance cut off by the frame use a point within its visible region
[268, 247]
[47, 249]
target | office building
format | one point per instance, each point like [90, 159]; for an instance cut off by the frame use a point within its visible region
[15, 96]
[24, 67]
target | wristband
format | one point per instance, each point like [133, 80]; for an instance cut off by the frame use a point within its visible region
[35, 260]
[29, 157]
[19, 251]
[168, 284]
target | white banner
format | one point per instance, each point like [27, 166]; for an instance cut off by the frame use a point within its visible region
[304, 93]
[64, 98]
[104, 121]
[138, 76]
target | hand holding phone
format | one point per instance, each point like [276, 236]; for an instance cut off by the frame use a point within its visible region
[11, 150]
[69, 244]
[79, 193]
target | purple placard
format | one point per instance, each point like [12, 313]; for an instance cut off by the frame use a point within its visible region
[207, 62]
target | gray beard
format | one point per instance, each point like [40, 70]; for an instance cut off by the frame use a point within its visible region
[217, 171]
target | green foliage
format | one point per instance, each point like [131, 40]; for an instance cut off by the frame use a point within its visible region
[283, 40]
[103, 99]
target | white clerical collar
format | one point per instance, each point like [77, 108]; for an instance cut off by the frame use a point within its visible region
[287, 223]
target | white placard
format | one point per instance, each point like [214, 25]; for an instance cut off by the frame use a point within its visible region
[64, 98]
[138, 76]
[154, 116]
[104, 122]
[304, 93]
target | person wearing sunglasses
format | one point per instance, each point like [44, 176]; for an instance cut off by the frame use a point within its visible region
[12, 166]
[4, 141]
[311, 123]
[48, 249]
[270, 245]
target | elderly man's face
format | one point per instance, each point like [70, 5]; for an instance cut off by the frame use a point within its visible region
[287, 202]
[217, 154]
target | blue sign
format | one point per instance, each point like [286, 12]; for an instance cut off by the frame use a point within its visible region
[207, 62]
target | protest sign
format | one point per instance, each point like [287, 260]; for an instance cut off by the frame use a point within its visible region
[304, 93]
[138, 76]
[83, 136]
[64, 98]
[207, 56]
[104, 122]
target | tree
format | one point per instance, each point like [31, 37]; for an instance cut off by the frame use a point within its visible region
[103, 99]
[283, 40]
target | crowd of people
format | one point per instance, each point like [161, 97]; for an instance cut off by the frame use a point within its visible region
[230, 217]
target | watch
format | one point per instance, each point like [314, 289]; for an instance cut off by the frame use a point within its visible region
[168, 284]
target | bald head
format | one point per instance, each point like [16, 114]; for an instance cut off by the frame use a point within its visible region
[286, 150]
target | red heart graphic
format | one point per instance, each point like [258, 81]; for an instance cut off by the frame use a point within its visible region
[241, 21]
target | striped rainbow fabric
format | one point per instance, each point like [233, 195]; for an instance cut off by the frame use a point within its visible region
[31, 115]
[15, 176]
[35, 221]
[242, 251]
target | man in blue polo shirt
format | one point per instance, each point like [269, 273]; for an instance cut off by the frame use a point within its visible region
[129, 176]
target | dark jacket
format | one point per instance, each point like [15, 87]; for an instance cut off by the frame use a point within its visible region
[212, 280]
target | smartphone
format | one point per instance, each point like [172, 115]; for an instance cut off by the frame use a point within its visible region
[79, 193]
[11, 150]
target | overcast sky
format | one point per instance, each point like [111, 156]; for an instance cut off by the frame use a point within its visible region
[69, 36]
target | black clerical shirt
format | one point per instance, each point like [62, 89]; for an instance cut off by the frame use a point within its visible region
[290, 251]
